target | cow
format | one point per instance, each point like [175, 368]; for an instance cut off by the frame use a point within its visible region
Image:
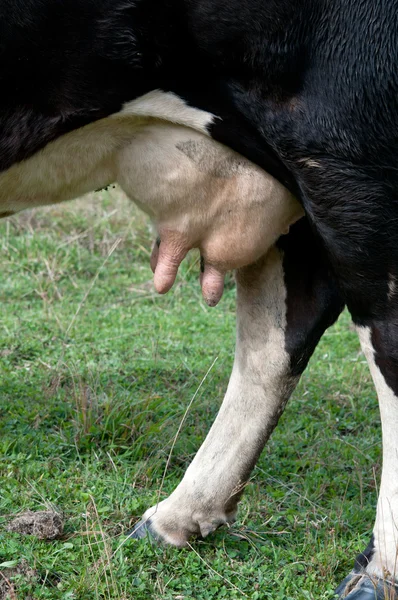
[307, 91]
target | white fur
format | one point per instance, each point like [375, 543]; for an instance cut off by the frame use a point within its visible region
[385, 560]
[86, 159]
[169, 107]
[257, 393]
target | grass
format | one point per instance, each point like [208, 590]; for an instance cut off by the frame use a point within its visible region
[96, 372]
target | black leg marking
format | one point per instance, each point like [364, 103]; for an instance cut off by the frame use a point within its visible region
[364, 558]
[313, 300]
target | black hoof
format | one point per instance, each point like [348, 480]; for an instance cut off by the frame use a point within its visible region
[362, 587]
[142, 530]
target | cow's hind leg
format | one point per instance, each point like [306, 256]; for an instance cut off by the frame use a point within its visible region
[354, 211]
[285, 302]
[377, 568]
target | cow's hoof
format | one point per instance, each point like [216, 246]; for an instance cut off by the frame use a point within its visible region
[178, 518]
[149, 528]
[363, 587]
[143, 529]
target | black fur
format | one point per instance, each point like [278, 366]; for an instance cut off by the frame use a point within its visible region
[313, 298]
[364, 558]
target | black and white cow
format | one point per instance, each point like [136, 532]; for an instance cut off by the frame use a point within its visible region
[307, 90]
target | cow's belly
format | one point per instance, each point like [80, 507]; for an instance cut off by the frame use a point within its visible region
[85, 159]
[189, 184]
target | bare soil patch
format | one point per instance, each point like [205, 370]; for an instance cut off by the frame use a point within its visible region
[44, 524]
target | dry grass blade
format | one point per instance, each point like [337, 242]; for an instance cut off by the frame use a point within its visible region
[111, 251]
[216, 572]
[11, 590]
[181, 424]
[106, 562]
[142, 523]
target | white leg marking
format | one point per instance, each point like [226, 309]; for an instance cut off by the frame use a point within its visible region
[259, 387]
[384, 562]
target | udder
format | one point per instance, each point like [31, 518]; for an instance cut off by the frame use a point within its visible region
[201, 194]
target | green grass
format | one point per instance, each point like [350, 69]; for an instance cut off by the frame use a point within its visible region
[96, 372]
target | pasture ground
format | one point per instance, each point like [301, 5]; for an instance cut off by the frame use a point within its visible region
[96, 373]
